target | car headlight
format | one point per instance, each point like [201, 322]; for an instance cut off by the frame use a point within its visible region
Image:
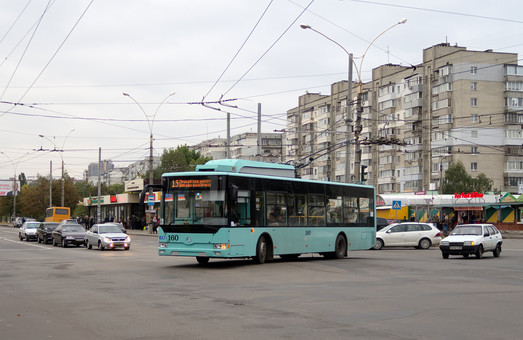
[444, 243]
[107, 239]
[69, 237]
[468, 243]
[128, 239]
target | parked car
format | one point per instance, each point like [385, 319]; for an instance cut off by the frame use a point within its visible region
[28, 231]
[381, 223]
[69, 221]
[45, 231]
[66, 234]
[18, 222]
[468, 239]
[408, 234]
[107, 235]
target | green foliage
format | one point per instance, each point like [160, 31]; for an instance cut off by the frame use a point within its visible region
[34, 197]
[180, 159]
[458, 180]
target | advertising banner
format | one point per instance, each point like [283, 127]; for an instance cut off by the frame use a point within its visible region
[6, 188]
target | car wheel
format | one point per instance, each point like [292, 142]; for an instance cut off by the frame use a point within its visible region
[88, 245]
[465, 255]
[445, 255]
[479, 252]
[127, 248]
[379, 244]
[20, 237]
[202, 259]
[54, 242]
[100, 246]
[497, 250]
[64, 243]
[261, 251]
[424, 243]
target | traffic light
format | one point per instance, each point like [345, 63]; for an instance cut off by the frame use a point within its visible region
[363, 173]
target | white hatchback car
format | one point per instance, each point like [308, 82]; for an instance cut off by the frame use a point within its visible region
[107, 235]
[468, 239]
[408, 234]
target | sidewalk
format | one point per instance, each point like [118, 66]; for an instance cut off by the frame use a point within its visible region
[137, 232]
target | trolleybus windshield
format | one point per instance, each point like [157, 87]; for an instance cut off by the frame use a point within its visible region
[195, 201]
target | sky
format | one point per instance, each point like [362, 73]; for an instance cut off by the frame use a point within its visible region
[64, 66]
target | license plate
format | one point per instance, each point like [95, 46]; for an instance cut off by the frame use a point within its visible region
[455, 247]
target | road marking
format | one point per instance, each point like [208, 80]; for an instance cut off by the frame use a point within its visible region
[25, 243]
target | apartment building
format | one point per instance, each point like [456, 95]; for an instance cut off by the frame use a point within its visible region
[244, 146]
[457, 105]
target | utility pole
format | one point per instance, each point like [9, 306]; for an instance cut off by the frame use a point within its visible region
[98, 203]
[348, 121]
[50, 184]
[258, 151]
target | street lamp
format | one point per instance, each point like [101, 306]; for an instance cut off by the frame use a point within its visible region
[359, 107]
[349, 98]
[150, 122]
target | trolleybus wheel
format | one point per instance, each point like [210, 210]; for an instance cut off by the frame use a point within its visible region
[261, 251]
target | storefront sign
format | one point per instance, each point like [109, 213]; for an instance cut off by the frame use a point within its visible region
[469, 195]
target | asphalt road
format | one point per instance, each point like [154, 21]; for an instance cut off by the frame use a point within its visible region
[49, 292]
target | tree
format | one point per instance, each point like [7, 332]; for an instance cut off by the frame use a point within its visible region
[34, 197]
[22, 179]
[482, 183]
[180, 159]
[458, 180]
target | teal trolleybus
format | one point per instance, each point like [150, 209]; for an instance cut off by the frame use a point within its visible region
[245, 209]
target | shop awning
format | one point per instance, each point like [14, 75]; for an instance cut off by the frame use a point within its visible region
[468, 208]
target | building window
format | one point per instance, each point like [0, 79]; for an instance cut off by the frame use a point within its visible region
[474, 134]
[474, 166]
[474, 118]
[473, 150]
[474, 102]
[473, 86]
[474, 69]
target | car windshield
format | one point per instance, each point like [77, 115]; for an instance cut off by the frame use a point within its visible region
[105, 229]
[467, 230]
[73, 229]
[32, 225]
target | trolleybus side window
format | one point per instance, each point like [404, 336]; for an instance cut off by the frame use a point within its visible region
[276, 208]
[316, 213]
[350, 209]
[296, 210]
[367, 211]
[334, 210]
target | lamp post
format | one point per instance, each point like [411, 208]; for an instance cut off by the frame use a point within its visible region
[150, 122]
[359, 107]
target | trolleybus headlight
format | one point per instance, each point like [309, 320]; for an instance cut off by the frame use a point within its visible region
[220, 246]
[163, 245]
